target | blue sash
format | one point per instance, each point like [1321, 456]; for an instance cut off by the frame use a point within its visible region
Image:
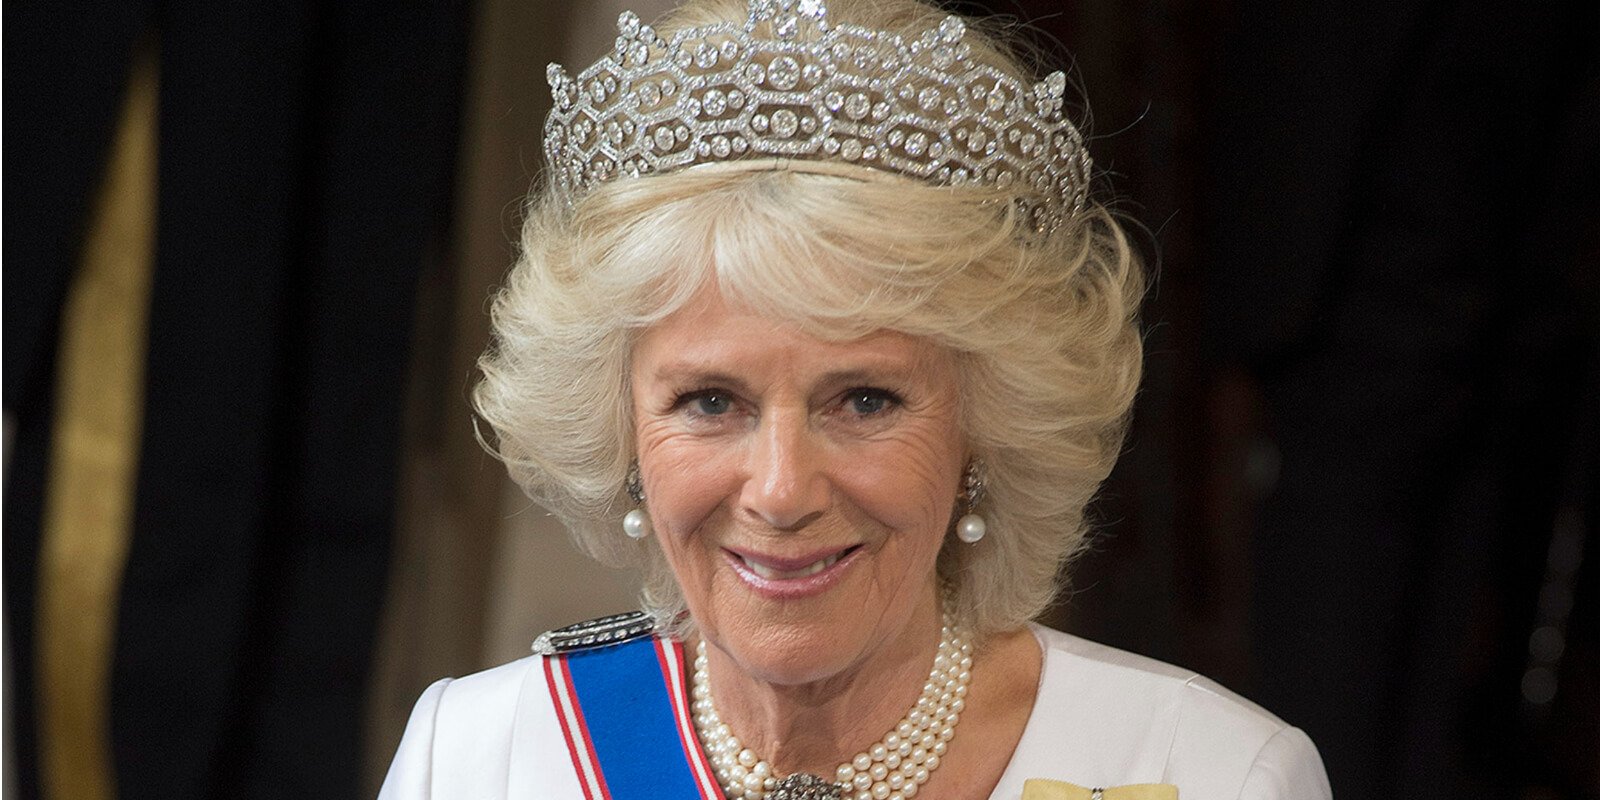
[624, 712]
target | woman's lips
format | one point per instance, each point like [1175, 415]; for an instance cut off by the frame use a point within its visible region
[791, 577]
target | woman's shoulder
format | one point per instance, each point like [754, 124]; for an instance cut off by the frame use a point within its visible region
[489, 689]
[1158, 683]
[480, 735]
[480, 700]
[1126, 718]
[505, 732]
[459, 734]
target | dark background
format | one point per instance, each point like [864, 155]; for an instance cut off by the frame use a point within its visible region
[1361, 480]
[1360, 486]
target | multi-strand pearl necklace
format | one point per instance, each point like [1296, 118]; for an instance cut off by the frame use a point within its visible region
[895, 768]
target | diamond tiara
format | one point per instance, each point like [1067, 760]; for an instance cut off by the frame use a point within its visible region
[788, 87]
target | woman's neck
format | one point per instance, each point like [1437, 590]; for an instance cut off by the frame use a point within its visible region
[815, 727]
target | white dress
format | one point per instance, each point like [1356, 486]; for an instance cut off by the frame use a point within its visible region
[1103, 717]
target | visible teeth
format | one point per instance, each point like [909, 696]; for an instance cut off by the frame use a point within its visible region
[789, 574]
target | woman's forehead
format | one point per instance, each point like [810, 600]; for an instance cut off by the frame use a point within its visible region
[711, 334]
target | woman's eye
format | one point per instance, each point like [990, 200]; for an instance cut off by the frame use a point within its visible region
[710, 404]
[869, 402]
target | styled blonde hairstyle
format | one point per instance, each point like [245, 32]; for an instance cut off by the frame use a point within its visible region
[1043, 327]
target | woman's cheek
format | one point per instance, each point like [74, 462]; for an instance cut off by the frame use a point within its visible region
[680, 497]
[906, 484]
[682, 473]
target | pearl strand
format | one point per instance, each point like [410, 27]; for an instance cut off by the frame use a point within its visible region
[894, 768]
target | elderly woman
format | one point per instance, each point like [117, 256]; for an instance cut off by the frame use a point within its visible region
[815, 324]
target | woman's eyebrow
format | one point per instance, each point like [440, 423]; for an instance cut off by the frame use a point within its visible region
[692, 373]
[688, 371]
[869, 375]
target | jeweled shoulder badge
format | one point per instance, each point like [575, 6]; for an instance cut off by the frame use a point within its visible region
[601, 632]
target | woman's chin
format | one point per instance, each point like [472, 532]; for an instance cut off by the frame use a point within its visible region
[790, 654]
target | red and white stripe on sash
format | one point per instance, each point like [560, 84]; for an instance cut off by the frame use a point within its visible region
[672, 660]
[574, 730]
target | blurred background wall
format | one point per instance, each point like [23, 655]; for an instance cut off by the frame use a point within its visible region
[248, 254]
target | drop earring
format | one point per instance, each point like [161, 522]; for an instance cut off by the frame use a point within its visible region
[971, 527]
[635, 523]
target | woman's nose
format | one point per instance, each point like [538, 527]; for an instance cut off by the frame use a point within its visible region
[786, 487]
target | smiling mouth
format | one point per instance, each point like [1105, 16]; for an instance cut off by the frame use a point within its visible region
[789, 572]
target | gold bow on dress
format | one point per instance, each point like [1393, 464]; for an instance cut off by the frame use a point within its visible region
[1041, 789]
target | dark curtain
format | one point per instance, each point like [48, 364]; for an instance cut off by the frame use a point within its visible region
[1360, 486]
[1402, 238]
[306, 156]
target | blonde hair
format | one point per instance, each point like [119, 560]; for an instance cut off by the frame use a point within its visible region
[1043, 327]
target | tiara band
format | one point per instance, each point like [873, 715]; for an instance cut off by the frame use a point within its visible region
[789, 85]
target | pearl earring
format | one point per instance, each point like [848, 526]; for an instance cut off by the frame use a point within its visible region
[635, 523]
[971, 527]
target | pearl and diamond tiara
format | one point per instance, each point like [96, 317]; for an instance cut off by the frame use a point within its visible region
[789, 87]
